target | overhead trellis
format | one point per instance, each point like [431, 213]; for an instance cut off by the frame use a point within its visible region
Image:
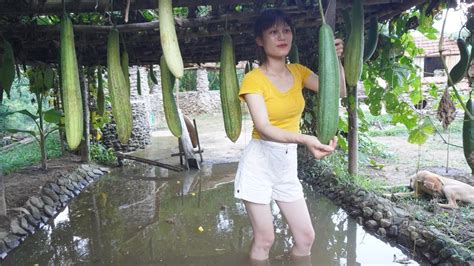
[199, 36]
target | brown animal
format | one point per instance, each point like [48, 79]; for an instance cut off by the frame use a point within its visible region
[436, 185]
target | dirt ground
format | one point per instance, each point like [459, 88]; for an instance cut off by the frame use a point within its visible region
[407, 158]
[22, 184]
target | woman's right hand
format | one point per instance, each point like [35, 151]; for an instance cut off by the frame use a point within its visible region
[318, 149]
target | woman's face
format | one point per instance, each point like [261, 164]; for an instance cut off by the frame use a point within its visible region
[276, 40]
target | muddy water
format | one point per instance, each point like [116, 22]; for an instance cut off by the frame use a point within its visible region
[147, 216]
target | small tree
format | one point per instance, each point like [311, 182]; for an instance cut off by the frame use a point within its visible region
[41, 81]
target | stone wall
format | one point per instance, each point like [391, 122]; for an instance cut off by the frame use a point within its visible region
[155, 102]
[147, 108]
[38, 210]
[142, 117]
[201, 101]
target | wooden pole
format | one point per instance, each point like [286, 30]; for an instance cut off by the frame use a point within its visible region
[58, 106]
[147, 161]
[353, 137]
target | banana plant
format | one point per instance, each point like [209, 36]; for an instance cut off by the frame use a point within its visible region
[41, 81]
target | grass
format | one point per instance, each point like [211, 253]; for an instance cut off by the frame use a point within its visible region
[382, 126]
[338, 163]
[29, 154]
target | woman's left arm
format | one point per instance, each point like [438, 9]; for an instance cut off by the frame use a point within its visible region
[312, 82]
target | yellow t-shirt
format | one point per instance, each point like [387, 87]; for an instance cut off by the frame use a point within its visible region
[284, 108]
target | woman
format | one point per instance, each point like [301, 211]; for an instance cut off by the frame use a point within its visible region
[268, 168]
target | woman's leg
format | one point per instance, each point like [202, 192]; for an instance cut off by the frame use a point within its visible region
[297, 215]
[262, 223]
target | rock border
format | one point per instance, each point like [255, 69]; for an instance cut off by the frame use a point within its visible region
[52, 199]
[383, 218]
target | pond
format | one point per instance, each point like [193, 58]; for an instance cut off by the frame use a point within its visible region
[145, 215]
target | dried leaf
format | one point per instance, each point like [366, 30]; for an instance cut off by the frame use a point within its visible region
[446, 109]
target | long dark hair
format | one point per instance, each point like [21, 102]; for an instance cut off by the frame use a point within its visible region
[267, 19]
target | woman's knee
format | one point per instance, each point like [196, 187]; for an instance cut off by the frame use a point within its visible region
[306, 237]
[264, 239]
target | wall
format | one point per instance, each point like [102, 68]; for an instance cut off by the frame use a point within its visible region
[142, 117]
[147, 108]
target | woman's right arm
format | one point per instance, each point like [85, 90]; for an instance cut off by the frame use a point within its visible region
[267, 131]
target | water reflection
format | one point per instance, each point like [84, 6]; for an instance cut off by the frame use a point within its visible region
[137, 216]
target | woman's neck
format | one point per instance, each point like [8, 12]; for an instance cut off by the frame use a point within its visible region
[274, 66]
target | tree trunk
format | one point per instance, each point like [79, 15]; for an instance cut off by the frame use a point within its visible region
[85, 150]
[353, 138]
[3, 203]
[42, 143]
[44, 156]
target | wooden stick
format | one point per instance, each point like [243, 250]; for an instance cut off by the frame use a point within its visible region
[147, 161]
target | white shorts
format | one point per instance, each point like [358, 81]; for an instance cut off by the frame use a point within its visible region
[268, 170]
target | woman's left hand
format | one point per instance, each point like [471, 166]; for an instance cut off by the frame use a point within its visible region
[339, 47]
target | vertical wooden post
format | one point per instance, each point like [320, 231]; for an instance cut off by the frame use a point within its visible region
[353, 137]
[3, 203]
[58, 105]
[85, 147]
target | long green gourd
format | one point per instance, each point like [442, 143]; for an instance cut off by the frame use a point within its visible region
[328, 96]
[72, 99]
[119, 94]
[372, 39]
[459, 70]
[169, 40]
[124, 63]
[354, 48]
[169, 103]
[468, 135]
[229, 90]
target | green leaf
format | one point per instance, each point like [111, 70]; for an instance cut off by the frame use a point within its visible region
[416, 83]
[363, 124]
[52, 116]
[342, 142]
[375, 109]
[342, 125]
[427, 126]
[415, 96]
[12, 130]
[417, 136]
[48, 78]
[24, 112]
[391, 102]
[149, 15]
[405, 115]
[433, 90]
